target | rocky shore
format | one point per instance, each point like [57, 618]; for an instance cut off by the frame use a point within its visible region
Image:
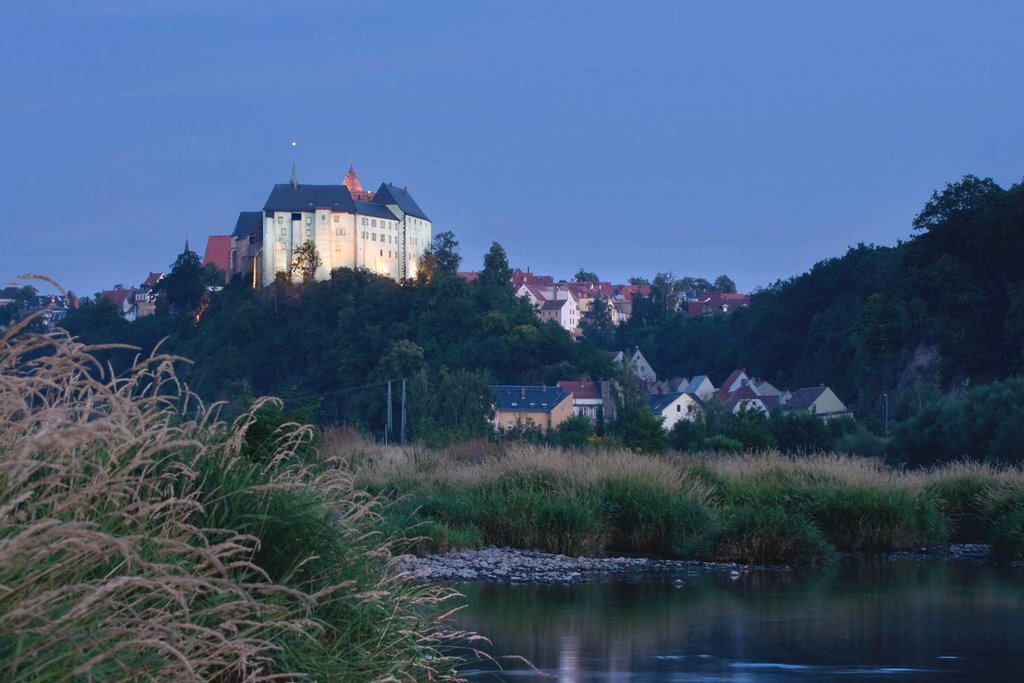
[528, 566]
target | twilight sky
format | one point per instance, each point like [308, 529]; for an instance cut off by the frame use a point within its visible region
[746, 138]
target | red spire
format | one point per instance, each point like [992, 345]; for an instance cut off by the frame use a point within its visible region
[351, 181]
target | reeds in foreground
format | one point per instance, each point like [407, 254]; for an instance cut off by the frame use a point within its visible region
[138, 541]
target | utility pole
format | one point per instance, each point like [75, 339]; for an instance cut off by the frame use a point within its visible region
[388, 426]
[403, 411]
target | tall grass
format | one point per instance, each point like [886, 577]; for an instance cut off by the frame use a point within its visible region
[765, 507]
[139, 539]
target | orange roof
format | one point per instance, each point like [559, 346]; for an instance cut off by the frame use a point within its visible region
[218, 251]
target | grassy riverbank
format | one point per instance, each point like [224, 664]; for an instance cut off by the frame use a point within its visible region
[765, 508]
[142, 537]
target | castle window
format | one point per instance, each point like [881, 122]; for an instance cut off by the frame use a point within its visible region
[296, 216]
[309, 233]
[323, 216]
[280, 219]
[336, 218]
[373, 236]
[373, 222]
[309, 220]
[284, 232]
[381, 252]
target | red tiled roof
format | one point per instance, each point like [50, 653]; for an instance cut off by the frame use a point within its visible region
[469, 275]
[218, 251]
[150, 282]
[582, 389]
[118, 296]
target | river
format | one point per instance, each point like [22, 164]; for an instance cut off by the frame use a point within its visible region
[865, 618]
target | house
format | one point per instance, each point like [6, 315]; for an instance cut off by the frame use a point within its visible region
[218, 252]
[124, 299]
[736, 380]
[544, 406]
[701, 387]
[820, 401]
[709, 302]
[592, 400]
[385, 231]
[638, 365]
[746, 399]
[565, 312]
[673, 407]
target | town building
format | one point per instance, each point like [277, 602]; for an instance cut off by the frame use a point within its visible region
[543, 406]
[592, 400]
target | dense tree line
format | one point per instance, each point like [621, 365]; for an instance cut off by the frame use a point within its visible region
[954, 294]
[339, 342]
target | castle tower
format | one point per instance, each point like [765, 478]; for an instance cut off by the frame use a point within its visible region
[351, 181]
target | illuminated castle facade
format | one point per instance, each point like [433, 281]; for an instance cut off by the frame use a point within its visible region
[385, 232]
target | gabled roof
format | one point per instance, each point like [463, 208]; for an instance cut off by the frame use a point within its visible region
[731, 379]
[399, 196]
[527, 399]
[248, 223]
[118, 296]
[374, 210]
[553, 304]
[744, 393]
[582, 390]
[286, 197]
[801, 399]
[658, 402]
[695, 383]
[218, 251]
[150, 282]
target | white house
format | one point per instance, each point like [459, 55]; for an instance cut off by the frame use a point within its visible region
[674, 407]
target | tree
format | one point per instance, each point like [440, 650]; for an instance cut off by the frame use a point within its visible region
[445, 251]
[724, 284]
[636, 280]
[184, 286]
[306, 260]
[496, 272]
[597, 323]
[585, 276]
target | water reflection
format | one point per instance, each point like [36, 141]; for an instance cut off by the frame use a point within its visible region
[866, 618]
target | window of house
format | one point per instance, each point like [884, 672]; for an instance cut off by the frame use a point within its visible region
[679, 409]
[381, 252]
[280, 219]
[373, 236]
[284, 232]
[309, 220]
[373, 222]
[336, 218]
[309, 233]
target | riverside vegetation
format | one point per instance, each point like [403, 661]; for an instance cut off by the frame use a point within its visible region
[756, 508]
[143, 537]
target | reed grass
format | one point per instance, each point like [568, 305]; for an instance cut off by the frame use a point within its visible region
[140, 540]
[753, 507]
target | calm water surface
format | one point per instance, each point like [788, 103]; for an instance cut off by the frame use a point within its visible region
[862, 619]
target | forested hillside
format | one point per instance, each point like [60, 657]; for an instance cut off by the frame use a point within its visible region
[929, 317]
[940, 312]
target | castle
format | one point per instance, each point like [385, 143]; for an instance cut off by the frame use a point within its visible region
[385, 231]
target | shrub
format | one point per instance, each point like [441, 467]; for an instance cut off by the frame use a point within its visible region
[768, 535]
[647, 520]
[876, 518]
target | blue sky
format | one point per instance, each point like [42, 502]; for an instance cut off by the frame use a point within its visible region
[747, 138]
